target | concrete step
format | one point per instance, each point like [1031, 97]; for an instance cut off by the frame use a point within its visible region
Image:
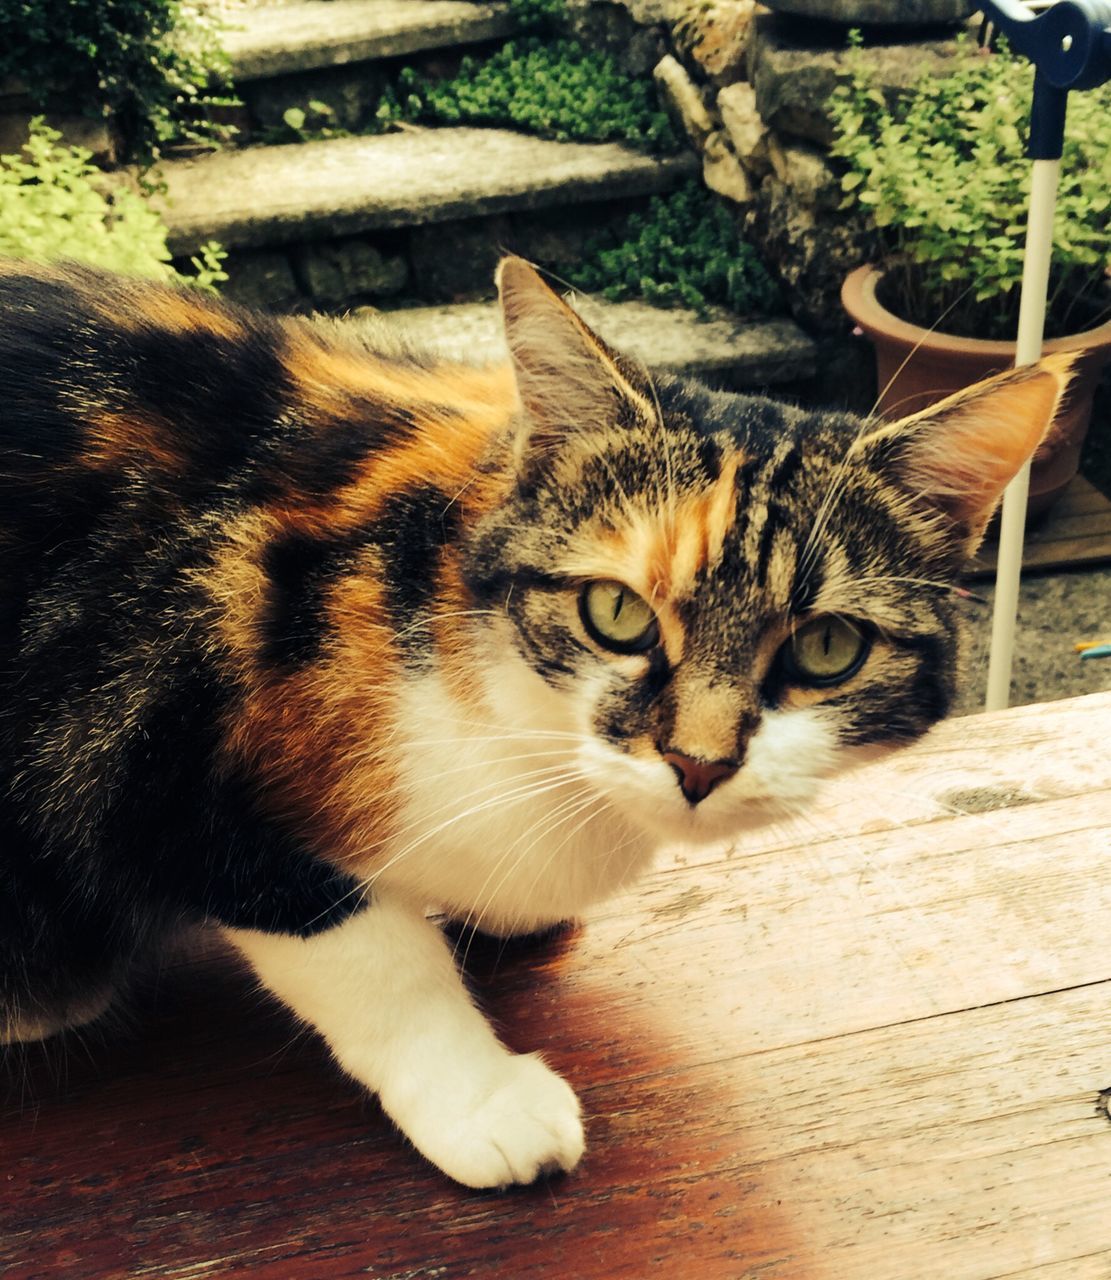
[741, 353]
[262, 196]
[284, 39]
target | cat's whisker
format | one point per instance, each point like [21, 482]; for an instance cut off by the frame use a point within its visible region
[550, 820]
[524, 790]
[512, 795]
[838, 479]
[469, 766]
[423, 623]
[522, 736]
[596, 804]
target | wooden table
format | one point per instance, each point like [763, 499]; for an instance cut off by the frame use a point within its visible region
[871, 1046]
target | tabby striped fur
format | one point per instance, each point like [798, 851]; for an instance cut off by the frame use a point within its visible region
[292, 642]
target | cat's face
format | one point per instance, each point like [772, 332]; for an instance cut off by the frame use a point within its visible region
[729, 598]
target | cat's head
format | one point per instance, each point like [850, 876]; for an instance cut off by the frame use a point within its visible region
[725, 596]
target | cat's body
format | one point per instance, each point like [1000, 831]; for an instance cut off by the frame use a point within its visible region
[301, 638]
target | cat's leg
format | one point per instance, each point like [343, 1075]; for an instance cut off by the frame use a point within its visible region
[26, 1021]
[383, 990]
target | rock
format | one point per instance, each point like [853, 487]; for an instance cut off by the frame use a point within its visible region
[262, 278]
[719, 345]
[351, 95]
[633, 33]
[794, 77]
[339, 271]
[747, 132]
[276, 39]
[684, 101]
[810, 251]
[713, 35]
[76, 130]
[888, 13]
[722, 171]
[804, 169]
[456, 260]
[258, 196]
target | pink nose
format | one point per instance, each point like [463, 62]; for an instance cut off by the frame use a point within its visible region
[697, 778]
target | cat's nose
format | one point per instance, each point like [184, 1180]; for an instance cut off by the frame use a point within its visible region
[697, 778]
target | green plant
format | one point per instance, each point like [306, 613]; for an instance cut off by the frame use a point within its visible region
[685, 250]
[55, 204]
[310, 123]
[153, 66]
[941, 170]
[537, 14]
[554, 88]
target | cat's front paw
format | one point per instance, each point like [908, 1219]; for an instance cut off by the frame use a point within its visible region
[523, 1121]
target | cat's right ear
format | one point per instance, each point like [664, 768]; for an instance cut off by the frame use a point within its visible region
[958, 455]
[567, 378]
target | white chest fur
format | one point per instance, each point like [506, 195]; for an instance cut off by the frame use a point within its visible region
[502, 823]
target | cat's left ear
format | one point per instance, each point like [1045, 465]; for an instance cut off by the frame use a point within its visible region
[958, 455]
[567, 378]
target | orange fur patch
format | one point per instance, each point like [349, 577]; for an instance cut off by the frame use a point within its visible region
[177, 311]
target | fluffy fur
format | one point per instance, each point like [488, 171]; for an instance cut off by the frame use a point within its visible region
[293, 642]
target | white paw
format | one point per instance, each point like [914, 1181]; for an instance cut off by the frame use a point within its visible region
[519, 1122]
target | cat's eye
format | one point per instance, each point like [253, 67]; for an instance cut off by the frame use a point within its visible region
[618, 618]
[825, 651]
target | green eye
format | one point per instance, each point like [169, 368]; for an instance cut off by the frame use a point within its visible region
[825, 652]
[618, 618]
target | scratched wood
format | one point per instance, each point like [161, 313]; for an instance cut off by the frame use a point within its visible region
[870, 1047]
[1075, 531]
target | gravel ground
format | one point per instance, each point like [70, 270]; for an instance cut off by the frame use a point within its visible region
[1055, 611]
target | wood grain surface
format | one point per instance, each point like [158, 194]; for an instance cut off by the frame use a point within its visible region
[873, 1045]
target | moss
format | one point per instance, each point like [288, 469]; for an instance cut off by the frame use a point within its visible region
[686, 250]
[553, 88]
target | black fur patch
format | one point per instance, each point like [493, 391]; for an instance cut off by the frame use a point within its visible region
[300, 570]
[412, 532]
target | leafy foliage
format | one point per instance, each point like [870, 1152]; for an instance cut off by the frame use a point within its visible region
[153, 66]
[311, 123]
[55, 204]
[942, 171]
[686, 250]
[534, 14]
[554, 88]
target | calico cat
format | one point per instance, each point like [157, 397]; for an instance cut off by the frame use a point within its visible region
[300, 637]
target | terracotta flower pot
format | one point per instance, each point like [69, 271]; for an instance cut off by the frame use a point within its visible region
[917, 367]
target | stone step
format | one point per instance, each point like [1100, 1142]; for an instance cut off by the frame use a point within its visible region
[742, 353]
[262, 196]
[284, 39]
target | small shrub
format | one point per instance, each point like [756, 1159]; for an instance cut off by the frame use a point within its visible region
[153, 66]
[554, 88]
[55, 204]
[941, 170]
[686, 250]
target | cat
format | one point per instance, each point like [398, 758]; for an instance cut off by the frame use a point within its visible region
[301, 636]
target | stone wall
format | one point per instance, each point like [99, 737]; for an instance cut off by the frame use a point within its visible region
[439, 263]
[752, 89]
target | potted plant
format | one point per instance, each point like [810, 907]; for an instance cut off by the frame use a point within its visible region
[941, 169]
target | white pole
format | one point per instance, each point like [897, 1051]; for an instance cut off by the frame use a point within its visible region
[1031, 326]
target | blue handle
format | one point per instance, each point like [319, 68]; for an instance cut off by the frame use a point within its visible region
[1070, 47]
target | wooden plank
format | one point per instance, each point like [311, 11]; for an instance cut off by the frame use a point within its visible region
[872, 1057]
[1077, 530]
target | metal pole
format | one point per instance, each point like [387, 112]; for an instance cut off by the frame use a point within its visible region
[1031, 325]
